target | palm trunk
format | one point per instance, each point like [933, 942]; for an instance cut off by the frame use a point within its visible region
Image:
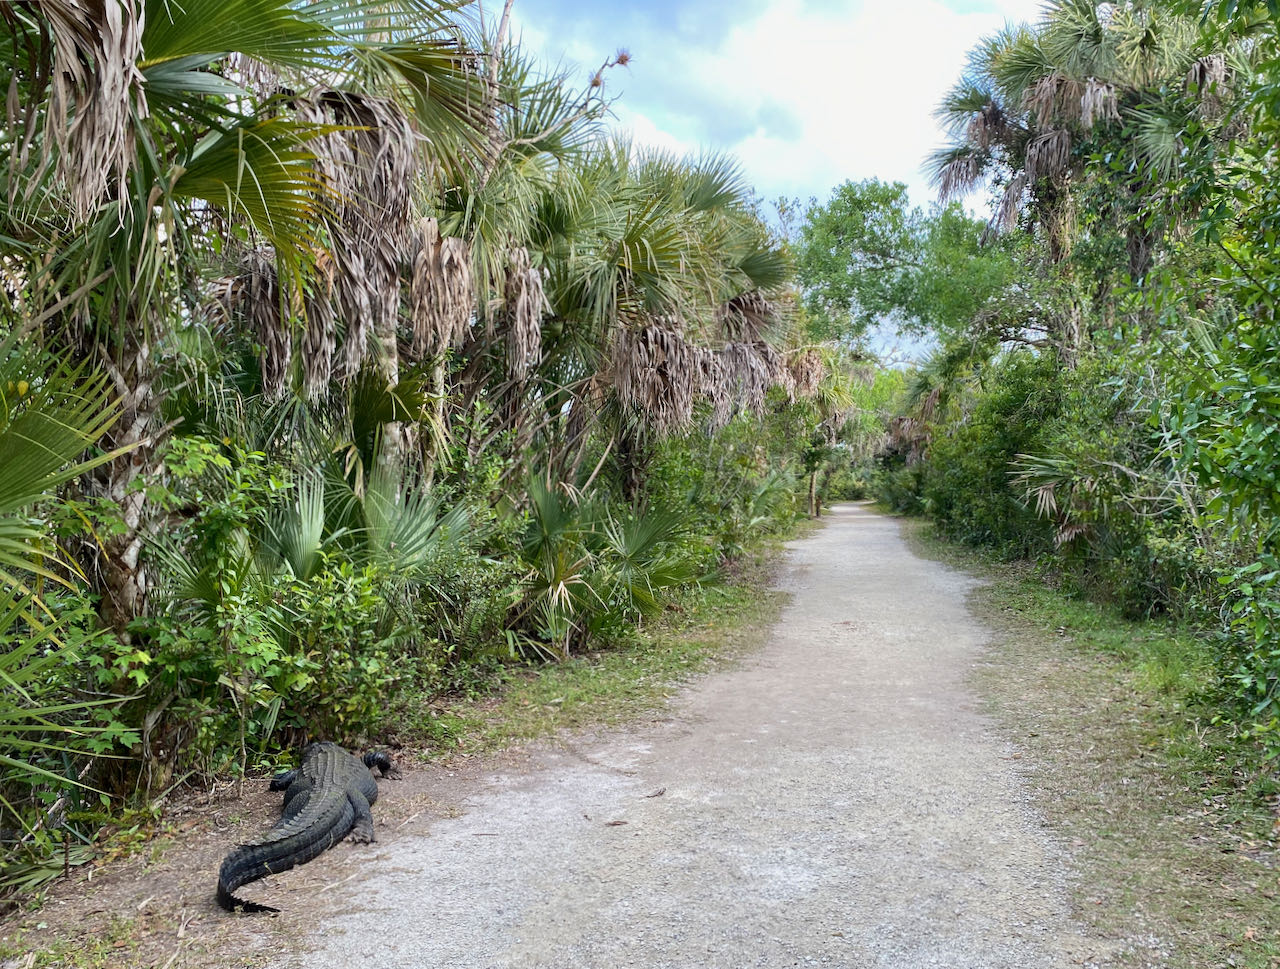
[394, 439]
[121, 578]
[633, 461]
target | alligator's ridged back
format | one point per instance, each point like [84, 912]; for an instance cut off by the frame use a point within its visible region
[326, 818]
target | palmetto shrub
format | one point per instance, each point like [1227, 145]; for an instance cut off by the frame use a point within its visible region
[592, 569]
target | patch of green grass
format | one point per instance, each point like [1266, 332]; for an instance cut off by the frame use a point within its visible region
[1169, 811]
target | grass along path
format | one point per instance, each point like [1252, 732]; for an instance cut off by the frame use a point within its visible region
[1172, 821]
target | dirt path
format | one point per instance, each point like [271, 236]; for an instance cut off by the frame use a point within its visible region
[836, 801]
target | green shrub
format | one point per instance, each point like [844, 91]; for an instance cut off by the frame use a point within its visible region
[966, 485]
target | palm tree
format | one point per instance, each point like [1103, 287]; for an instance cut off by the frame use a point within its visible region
[145, 144]
[1136, 83]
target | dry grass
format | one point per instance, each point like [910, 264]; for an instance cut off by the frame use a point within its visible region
[1170, 818]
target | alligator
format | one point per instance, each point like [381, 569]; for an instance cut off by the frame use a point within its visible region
[325, 799]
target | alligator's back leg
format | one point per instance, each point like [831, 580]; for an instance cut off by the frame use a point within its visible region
[295, 799]
[362, 830]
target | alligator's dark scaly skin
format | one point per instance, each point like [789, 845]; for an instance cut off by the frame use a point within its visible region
[325, 799]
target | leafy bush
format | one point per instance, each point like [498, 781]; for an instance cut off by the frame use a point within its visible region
[966, 487]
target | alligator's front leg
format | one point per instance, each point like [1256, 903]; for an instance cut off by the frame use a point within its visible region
[362, 830]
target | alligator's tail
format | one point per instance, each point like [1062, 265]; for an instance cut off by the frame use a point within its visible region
[323, 823]
[233, 904]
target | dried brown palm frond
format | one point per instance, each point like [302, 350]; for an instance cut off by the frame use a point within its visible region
[747, 316]
[775, 365]
[713, 386]
[656, 373]
[987, 127]
[1049, 155]
[253, 295]
[1054, 97]
[523, 303]
[1207, 79]
[95, 89]
[807, 371]
[369, 166]
[319, 337]
[441, 290]
[253, 75]
[260, 297]
[1098, 103]
[748, 375]
[1005, 217]
[958, 176]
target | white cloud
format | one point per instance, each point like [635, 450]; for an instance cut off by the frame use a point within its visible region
[805, 95]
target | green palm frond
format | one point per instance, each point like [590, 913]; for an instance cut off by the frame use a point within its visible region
[294, 534]
[277, 32]
[51, 415]
[1157, 140]
[262, 171]
[405, 528]
[37, 719]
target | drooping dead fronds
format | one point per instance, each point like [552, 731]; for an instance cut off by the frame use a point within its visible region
[748, 376]
[746, 317]
[253, 295]
[319, 337]
[1049, 156]
[1207, 79]
[987, 127]
[1098, 103]
[713, 386]
[807, 371]
[958, 176]
[656, 373]
[369, 167]
[911, 434]
[95, 88]
[1054, 97]
[775, 365]
[522, 308]
[253, 75]
[260, 294]
[441, 291]
[1005, 217]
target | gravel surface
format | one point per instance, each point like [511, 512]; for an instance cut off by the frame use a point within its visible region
[837, 800]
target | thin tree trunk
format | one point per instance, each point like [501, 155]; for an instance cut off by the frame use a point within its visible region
[813, 493]
[394, 448]
[122, 580]
[632, 465]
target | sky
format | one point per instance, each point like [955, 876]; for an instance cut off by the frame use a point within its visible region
[804, 93]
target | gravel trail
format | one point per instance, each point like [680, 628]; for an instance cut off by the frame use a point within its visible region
[837, 800]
